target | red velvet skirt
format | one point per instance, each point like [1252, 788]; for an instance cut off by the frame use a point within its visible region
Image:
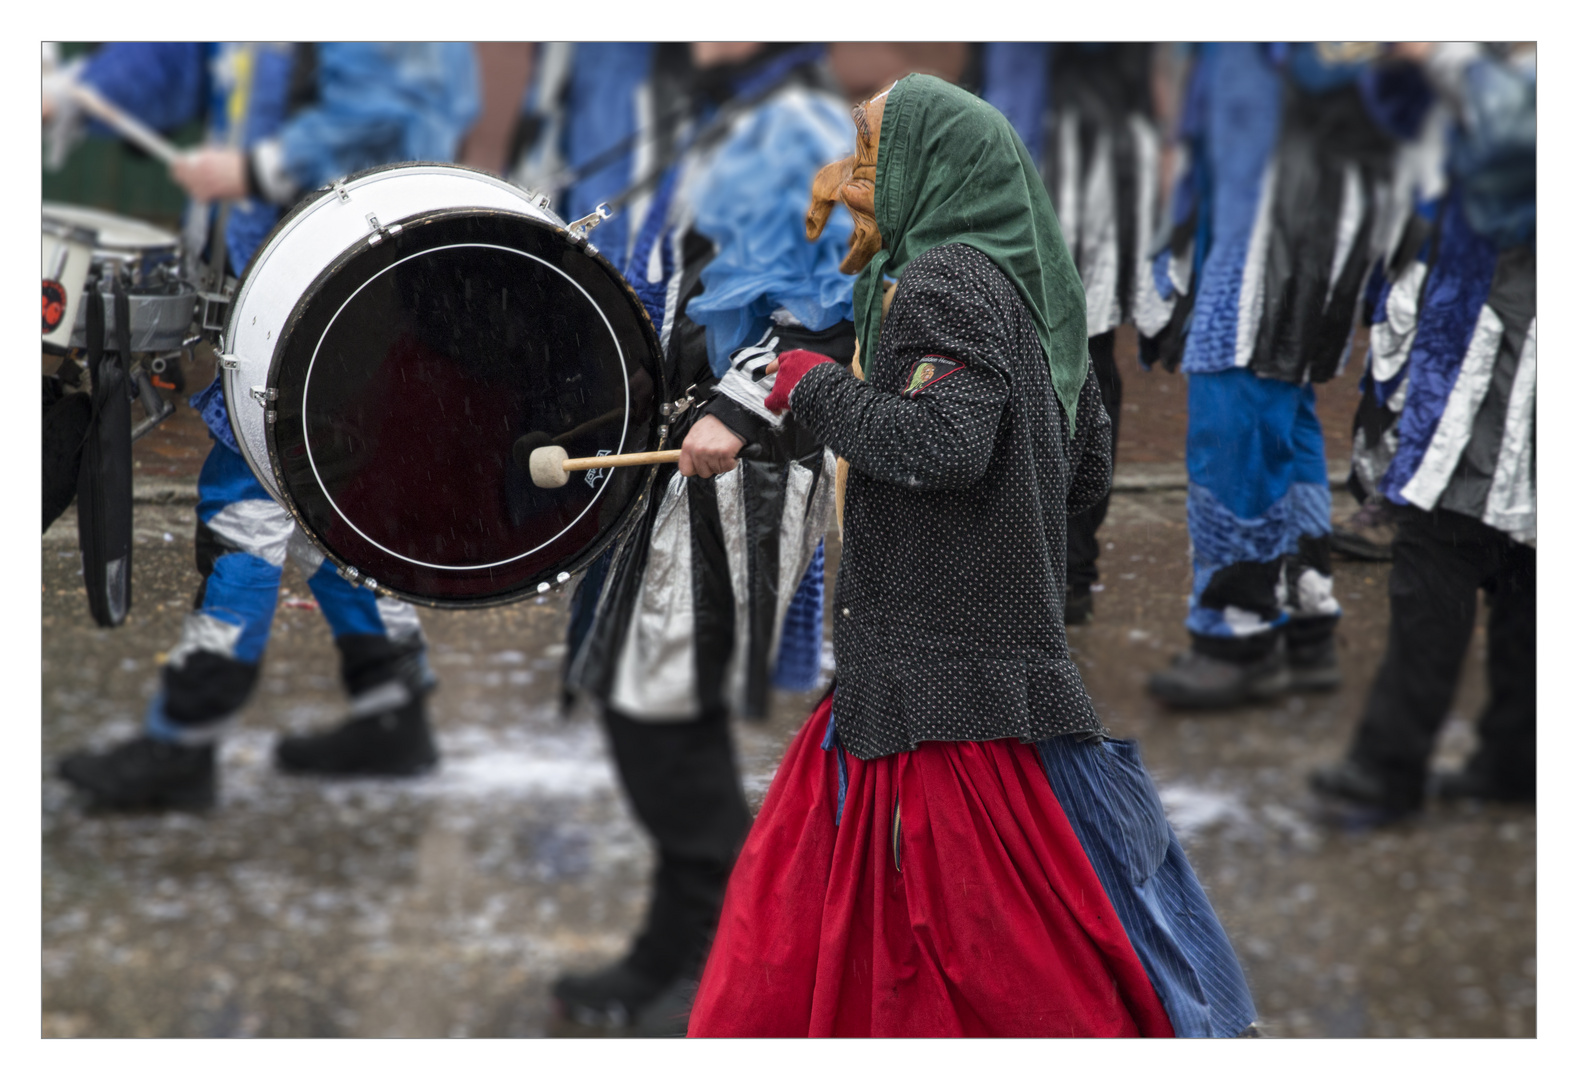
[953, 898]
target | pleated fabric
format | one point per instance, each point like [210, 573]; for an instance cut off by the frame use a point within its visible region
[950, 897]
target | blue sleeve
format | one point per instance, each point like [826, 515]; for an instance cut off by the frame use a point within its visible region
[1014, 77]
[162, 83]
[751, 205]
[380, 103]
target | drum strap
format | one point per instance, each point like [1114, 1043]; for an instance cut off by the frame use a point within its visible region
[104, 483]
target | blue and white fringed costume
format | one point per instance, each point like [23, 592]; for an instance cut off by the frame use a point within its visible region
[1274, 226]
[365, 105]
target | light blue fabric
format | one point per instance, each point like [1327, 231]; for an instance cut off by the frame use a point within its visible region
[1014, 80]
[1114, 809]
[751, 203]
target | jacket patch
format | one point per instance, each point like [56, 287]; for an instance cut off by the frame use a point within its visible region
[927, 370]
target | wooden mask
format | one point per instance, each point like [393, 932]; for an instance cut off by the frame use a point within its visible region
[853, 182]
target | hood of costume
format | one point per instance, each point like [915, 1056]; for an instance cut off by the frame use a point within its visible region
[951, 170]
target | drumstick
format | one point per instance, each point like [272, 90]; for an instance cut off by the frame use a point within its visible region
[551, 466]
[129, 126]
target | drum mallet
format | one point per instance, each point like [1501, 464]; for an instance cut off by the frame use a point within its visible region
[551, 466]
[128, 126]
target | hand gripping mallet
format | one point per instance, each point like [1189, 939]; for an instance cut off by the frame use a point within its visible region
[551, 466]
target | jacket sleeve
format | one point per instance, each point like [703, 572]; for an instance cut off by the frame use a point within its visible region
[1090, 452]
[943, 433]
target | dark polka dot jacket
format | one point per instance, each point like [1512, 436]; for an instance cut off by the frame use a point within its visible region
[948, 614]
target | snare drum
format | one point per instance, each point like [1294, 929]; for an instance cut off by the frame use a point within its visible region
[87, 242]
[392, 339]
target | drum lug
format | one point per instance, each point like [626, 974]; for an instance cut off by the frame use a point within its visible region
[230, 361]
[581, 226]
[381, 231]
[669, 410]
[340, 190]
[264, 394]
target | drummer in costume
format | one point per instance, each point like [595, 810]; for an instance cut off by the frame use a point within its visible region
[1086, 115]
[716, 594]
[283, 119]
[1275, 228]
[952, 845]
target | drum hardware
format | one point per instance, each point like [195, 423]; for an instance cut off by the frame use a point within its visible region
[214, 310]
[155, 408]
[264, 394]
[672, 409]
[229, 362]
[581, 226]
[339, 189]
[380, 231]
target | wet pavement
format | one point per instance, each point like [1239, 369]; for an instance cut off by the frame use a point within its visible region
[446, 905]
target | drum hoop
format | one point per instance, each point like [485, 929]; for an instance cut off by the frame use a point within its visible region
[579, 562]
[306, 387]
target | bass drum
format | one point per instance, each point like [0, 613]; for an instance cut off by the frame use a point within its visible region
[389, 344]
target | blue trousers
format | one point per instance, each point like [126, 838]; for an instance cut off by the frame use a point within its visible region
[243, 540]
[1259, 510]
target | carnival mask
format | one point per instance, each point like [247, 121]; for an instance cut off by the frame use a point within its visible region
[853, 182]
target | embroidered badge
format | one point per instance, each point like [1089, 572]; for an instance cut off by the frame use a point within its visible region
[927, 370]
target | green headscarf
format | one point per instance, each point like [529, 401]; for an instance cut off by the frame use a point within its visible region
[951, 170]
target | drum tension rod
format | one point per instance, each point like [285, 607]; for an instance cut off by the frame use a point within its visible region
[581, 226]
[381, 231]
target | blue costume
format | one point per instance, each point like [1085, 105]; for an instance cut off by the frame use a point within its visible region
[717, 593]
[1445, 433]
[304, 116]
[1289, 156]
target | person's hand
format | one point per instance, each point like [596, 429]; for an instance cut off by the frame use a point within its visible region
[709, 449]
[212, 173]
[1417, 51]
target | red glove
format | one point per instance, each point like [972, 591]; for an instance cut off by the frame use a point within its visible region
[792, 367]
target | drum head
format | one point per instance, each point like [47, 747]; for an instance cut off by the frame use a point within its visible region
[110, 231]
[409, 369]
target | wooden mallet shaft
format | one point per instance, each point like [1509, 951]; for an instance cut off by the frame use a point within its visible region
[551, 466]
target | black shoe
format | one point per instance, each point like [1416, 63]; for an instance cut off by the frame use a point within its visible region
[1314, 666]
[1197, 681]
[1469, 784]
[621, 997]
[145, 774]
[1079, 607]
[396, 742]
[1357, 795]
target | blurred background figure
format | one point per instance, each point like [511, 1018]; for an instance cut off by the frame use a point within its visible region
[707, 153]
[1289, 152]
[1087, 114]
[282, 120]
[1450, 393]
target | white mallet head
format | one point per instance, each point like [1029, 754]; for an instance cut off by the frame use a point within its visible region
[547, 466]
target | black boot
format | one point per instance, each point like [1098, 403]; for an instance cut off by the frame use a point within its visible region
[1219, 675]
[1357, 794]
[394, 742]
[145, 774]
[623, 997]
[1470, 783]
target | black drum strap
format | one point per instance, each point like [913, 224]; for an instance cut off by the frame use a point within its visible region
[104, 484]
